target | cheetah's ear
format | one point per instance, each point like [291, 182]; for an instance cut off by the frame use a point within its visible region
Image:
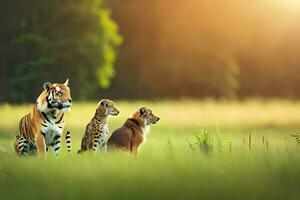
[104, 103]
[47, 86]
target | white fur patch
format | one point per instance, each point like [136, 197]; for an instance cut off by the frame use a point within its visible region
[57, 88]
[145, 130]
[40, 106]
[51, 130]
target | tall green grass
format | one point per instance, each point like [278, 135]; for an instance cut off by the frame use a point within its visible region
[200, 150]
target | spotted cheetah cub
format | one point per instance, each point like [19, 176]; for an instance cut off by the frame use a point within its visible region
[96, 133]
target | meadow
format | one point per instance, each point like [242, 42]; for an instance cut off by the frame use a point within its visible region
[200, 150]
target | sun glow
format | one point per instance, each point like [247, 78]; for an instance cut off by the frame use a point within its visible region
[290, 3]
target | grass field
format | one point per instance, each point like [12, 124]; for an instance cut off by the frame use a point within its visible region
[200, 150]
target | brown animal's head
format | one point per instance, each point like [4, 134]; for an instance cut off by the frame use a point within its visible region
[145, 115]
[55, 96]
[107, 107]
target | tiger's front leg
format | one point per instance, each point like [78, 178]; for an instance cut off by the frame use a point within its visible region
[40, 143]
[57, 138]
[56, 141]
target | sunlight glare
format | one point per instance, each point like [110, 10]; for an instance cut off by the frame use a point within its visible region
[290, 3]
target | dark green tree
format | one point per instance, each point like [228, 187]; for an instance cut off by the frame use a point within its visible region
[54, 40]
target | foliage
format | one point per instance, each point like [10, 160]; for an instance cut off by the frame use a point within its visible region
[51, 41]
[203, 143]
[296, 137]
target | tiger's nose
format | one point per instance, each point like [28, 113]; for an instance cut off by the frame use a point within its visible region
[70, 100]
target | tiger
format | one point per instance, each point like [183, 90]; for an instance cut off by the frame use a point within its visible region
[43, 126]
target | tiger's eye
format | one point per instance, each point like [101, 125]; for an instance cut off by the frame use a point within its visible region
[59, 92]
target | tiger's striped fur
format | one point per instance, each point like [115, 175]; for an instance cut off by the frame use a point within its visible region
[68, 141]
[43, 127]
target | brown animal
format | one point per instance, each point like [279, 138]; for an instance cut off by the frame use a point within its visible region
[96, 133]
[43, 127]
[132, 134]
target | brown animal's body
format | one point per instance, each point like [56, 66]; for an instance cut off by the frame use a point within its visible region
[43, 127]
[132, 134]
[96, 133]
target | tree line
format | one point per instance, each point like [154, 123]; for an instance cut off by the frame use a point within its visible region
[150, 48]
[198, 48]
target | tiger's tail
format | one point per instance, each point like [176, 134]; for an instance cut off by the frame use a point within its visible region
[69, 141]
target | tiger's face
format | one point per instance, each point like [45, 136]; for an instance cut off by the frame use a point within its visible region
[55, 96]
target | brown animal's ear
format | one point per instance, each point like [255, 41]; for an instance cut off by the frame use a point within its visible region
[143, 111]
[104, 103]
[47, 86]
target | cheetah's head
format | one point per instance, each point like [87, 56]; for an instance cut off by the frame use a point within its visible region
[107, 107]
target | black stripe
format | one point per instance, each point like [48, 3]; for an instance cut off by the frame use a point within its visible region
[57, 142]
[60, 127]
[24, 146]
[45, 117]
[42, 117]
[56, 137]
[20, 145]
[68, 141]
[57, 148]
[62, 116]
[68, 137]
[44, 125]
[21, 140]
[48, 102]
[95, 145]
[44, 134]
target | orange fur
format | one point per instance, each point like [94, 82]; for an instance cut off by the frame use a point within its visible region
[31, 125]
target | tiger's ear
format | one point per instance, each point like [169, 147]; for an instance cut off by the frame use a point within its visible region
[47, 86]
[104, 103]
[66, 82]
